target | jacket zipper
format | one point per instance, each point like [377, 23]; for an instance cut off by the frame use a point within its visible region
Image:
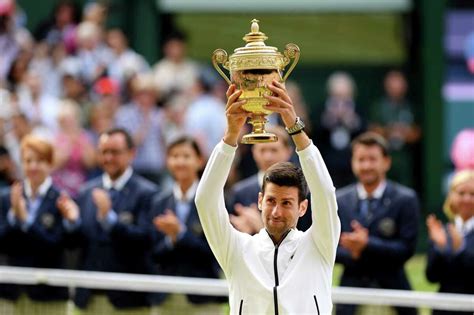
[275, 270]
[241, 305]
[316, 302]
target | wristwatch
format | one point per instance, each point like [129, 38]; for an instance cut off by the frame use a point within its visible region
[296, 128]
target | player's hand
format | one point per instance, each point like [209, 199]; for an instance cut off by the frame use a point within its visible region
[281, 103]
[235, 114]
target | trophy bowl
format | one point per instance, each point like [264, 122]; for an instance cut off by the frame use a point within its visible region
[252, 68]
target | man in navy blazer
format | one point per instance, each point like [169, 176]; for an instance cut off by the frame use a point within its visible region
[242, 200]
[114, 226]
[379, 223]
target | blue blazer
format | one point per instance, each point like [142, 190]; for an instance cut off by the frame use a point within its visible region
[246, 192]
[393, 231]
[41, 246]
[126, 248]
[191, 255]
[454, 272]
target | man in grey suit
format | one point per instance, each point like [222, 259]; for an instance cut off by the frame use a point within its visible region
[379, 223]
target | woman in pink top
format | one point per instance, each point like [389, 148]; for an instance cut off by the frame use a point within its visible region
[74, 154]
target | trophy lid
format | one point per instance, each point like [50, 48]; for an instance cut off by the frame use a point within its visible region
[255, 54]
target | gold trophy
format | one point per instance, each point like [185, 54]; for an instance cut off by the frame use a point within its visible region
[252, 68]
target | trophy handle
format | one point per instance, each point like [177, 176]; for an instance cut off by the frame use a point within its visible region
[219, 56]
[292, 51]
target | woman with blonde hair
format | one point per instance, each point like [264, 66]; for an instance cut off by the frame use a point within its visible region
[451, 252]
[31, 232]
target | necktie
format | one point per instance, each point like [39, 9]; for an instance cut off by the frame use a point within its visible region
[114, 194]
[367, 208]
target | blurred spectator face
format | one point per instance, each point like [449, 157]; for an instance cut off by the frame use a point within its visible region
[183, 162]
[341, 87]
[33, 82]
[20, 126]
[395, 85]
[88, 35]
[64, 15]
[145, 92]
[267, 154]
[369, 164]
[114, 155]
[68, 116]
[462, 199]
[19, 67]
[72, 87]
[36, 159]
[117, 40]
[175, 50]
[101, 118]
[95, 12]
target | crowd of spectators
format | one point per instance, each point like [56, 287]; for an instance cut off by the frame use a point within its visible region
[72, 81]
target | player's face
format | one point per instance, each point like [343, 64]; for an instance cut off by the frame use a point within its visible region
[280, 208]
[369, 164]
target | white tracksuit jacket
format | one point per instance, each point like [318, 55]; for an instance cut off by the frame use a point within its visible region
[293, 278]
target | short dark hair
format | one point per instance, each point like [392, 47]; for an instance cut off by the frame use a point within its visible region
[371, 138]
[286, 174]
[184, 139]
[121, 131]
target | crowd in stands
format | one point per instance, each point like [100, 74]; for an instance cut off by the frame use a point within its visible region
[101, 152]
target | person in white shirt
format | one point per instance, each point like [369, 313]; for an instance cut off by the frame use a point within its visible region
[279, 270]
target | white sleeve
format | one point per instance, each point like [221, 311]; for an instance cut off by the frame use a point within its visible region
[220, 234]
[326, 227]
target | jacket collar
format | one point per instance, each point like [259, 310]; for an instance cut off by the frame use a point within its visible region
[42, 189]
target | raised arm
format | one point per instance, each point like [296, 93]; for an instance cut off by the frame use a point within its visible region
[326, 226]
[210, 204]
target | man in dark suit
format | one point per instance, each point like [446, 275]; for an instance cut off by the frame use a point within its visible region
[242, 200]
[114, 227]
[379, 223]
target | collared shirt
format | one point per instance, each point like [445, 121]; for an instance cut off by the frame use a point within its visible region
[183, 201]
[32, 203]
[377, 194]
[119, 183]
[464, 227]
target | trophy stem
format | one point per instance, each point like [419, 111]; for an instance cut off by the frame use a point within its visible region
[258, 134]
